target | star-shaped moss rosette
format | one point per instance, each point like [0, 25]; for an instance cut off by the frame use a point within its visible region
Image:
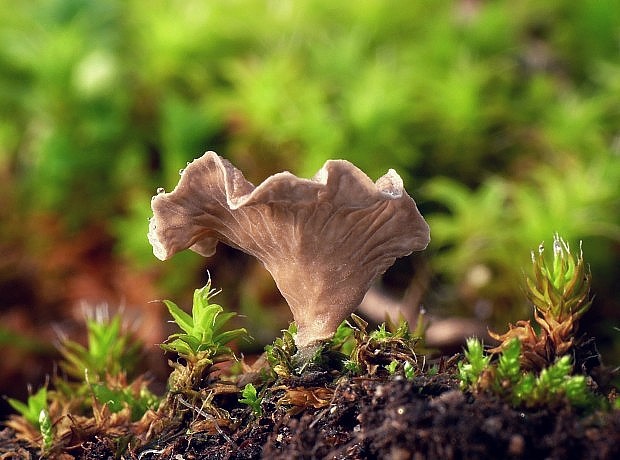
[560, 294]
[324, 240]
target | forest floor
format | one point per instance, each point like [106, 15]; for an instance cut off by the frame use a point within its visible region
[369, 418]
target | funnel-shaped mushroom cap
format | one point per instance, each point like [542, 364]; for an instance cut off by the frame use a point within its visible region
[323, 240]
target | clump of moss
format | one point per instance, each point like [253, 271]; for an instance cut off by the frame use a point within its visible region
[390, 349]
[534, 368]
[506, 378]
[95, 395]
[560, 294]
[383, 351]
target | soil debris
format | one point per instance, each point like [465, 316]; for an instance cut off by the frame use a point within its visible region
[367, 418]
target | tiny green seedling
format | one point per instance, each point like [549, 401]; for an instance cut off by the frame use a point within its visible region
[109, 351]
[391, 368]
[475, 362]
[409, 370]
[203, 337]
[251, 398]
[31, 410]
[508, 365]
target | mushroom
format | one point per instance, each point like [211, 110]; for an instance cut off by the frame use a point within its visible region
[324, 240]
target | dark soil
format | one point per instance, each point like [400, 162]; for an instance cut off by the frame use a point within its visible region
[377, 418]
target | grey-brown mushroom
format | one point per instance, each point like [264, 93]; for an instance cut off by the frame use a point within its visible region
[324, 240]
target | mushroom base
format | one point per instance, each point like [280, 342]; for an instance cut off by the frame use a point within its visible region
[316, 357]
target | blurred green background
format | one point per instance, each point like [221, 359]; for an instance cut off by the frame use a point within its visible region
[502, 117]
